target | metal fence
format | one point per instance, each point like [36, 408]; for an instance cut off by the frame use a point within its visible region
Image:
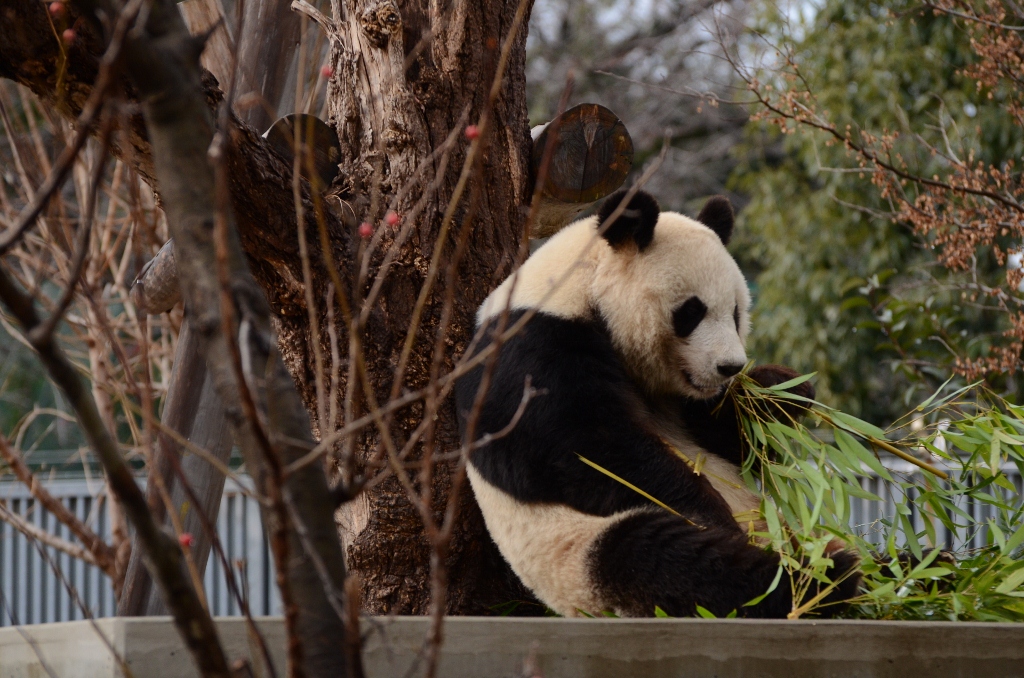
[39, 584]
[866, 514]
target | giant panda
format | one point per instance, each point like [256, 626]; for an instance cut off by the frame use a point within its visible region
[633, 338]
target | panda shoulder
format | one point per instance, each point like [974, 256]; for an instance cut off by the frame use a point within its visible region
[555, 279]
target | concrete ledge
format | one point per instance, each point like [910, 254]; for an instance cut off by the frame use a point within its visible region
[559, 648]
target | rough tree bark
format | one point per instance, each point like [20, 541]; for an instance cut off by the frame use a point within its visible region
[390, 119]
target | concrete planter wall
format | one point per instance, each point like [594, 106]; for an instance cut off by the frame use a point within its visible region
[557, 648]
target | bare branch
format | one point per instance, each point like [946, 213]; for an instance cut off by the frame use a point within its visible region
[43, 332]
[44, 537]
[316, 15]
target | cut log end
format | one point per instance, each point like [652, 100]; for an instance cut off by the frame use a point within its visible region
[156, 289]
[591, 154]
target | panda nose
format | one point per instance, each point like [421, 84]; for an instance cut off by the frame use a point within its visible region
[729, 369]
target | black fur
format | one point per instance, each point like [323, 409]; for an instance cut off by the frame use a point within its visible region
[717, 215]
[592, 408]
[635, 224]
[687, 316]
[659, 559]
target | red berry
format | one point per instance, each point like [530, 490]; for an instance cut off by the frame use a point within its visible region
[68, 36]
[326, 71]
[185, 539]
[365, 229]
[57, 9]
[472, 132]
[392, 219]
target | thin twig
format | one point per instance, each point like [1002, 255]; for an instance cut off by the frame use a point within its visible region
[229, 576]
[971, 17]
[38, 534]
[82, 246]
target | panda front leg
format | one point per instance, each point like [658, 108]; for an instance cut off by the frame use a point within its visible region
[653, 558]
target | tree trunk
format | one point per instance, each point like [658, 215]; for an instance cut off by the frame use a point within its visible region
[192, 408]
[391, 120]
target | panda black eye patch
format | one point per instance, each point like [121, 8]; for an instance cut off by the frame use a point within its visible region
[687, 316]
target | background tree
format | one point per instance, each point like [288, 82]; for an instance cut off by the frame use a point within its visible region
[846, 285]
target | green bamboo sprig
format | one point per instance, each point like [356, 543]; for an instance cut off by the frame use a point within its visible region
[823, 413]
[884, 444]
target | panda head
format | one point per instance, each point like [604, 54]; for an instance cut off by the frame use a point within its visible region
[674, 300]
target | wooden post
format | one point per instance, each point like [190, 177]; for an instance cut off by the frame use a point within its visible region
[195, 412]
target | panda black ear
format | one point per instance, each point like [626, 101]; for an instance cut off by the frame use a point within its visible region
[718, 216]
[635, 224]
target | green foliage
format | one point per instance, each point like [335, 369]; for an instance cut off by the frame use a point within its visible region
[809, 481]
[840, 289]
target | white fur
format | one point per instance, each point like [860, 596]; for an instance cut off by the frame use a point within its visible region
[556, 279]
[547, 546]
[577, 274]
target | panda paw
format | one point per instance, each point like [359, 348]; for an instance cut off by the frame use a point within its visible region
[907, 561]
[846, 577]
[773, 375]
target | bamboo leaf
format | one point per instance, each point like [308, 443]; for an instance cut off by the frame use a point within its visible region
[851, 446]
[911, 536]
[1011, 583]
[858, 426]
[1015, 540]
[923, 406]
[704, 612]
[796, 381]
[1002, 481]
[861, 493]
[995, 459]
[997, 534]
